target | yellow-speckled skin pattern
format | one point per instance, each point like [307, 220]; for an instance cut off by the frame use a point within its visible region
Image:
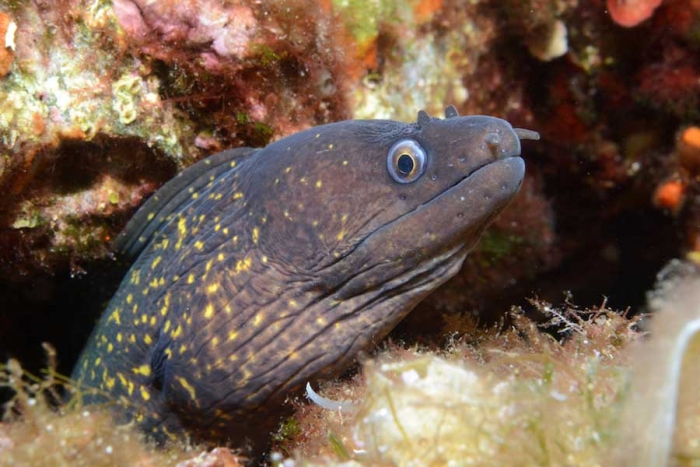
[275, 266]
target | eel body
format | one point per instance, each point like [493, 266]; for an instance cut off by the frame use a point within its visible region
[258, 270]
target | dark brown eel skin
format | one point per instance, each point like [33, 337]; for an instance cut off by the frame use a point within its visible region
[259, 270]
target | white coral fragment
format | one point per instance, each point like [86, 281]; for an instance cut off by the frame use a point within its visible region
[553, 44]
[10, 35]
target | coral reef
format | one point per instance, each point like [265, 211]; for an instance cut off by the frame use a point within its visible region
[540, 24]
[178, 90]
[104, 101]
[435, 63]
[54, 100]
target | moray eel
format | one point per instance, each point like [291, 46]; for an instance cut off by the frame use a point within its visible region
[259, 270]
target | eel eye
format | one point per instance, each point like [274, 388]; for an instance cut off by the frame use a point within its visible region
[406, 161]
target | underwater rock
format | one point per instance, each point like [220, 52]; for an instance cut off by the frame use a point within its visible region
[670, 83]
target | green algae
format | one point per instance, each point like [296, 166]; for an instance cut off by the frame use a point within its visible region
[497, 245]
[361, 18]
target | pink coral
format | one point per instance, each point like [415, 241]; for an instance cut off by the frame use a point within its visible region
[204, 25]
[629, 13]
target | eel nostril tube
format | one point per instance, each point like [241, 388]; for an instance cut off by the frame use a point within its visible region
[522, 133]
[493, 141]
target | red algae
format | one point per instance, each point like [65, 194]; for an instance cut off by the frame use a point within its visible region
[672, 83]
[630, 13]
[679, 19]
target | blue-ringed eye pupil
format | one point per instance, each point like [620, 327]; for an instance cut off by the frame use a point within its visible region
[405, 164]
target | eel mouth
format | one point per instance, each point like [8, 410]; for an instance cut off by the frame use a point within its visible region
[510, 157]
[466, 207]
[494, 141]
[452, 222]
[499, 179]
